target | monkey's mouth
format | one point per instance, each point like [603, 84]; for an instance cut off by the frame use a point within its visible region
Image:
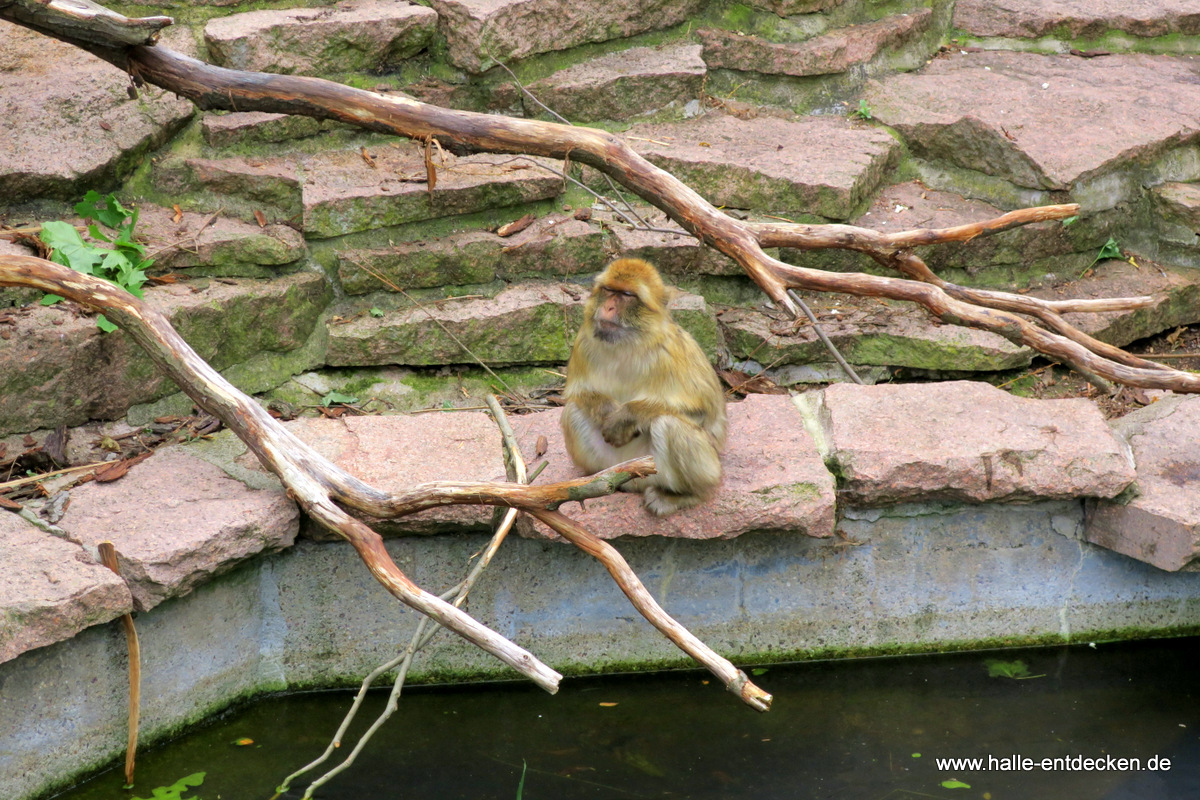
[609, 331]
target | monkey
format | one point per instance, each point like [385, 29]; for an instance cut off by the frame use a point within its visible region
[638, 384]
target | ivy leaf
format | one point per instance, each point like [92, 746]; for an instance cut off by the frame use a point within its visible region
[376, 312]
[103, 324]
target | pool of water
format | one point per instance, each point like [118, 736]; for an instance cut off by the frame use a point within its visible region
[853, 730]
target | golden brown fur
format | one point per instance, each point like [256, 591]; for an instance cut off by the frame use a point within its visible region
[638, 384]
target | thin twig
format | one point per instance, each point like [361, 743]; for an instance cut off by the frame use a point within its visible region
[108, 557]
[515, 468]
[824, 338]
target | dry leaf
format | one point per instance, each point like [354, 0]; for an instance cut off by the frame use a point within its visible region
[178, 214]
[117, 469]
[607, 705]
[1173, 337]
[539, 450]
[583, 214]
[260, 218]
[367, 157]
[105, 126]
[516, 226]
[9, 504]
[430, 170]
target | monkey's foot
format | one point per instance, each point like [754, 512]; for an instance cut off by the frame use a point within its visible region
[660, 501]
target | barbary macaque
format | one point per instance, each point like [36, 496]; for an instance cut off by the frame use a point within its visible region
[638, 384]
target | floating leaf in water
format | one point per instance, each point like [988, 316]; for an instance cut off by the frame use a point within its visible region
[757, 671]
[244, 741]
[1017, 670]
[521, 783]
[607, 705]
[175, 791]
[916, 755]
[955, 784]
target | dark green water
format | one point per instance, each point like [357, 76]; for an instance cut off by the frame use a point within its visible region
[848, 730]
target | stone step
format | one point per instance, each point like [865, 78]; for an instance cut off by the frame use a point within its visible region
[868, 332]
[67, 371]
[1176, 237]
[252, 127]
[1114, 25]
[1031, 255]
[68, 124]
[480, 33]
[965, 441]
[1159, 520]
[836, 51]
[824, 166]
[623, 85]
[554, 245]
[192, 512]
[1117, 123]
[527, 323]
[353, 36]
[337, 192]
[213, 245]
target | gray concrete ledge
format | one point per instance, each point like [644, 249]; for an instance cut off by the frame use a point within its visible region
[912, 578]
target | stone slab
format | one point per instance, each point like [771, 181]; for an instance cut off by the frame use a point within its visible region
[987, 111]
[481, 32]
[774, 480]
[524, 324]
[216, 245]
[238, 127]
[910, 206]
[399, 452]
[1181, 201]
[553, 245]
[343, 193]
[67, 124]
[868, 332]
[177, 521]
[1071, 19]
[67, 371]
[52, 589]
[966, 441]
[836, 51]
[354, 36]
[622, 85]
[818, 165]
[1161, 523]
[1175, 293]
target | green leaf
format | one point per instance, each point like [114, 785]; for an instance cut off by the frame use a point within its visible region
[521, 783]
[103, 324]
[95, 232]
[51, 299]
[1070, 220]
[175, 791]
[338, 397]
[376, 312]
[955, 784]
[68, 247]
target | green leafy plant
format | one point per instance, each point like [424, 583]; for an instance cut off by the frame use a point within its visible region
[123, 262]
[1110, 250]
[863, 111]
[376, 312]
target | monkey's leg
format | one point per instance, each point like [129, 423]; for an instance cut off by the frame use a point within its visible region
[689, 466]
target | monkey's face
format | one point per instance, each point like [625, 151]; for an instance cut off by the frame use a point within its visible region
[616, 313]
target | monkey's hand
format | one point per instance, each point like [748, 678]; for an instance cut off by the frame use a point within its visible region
[619, 427]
